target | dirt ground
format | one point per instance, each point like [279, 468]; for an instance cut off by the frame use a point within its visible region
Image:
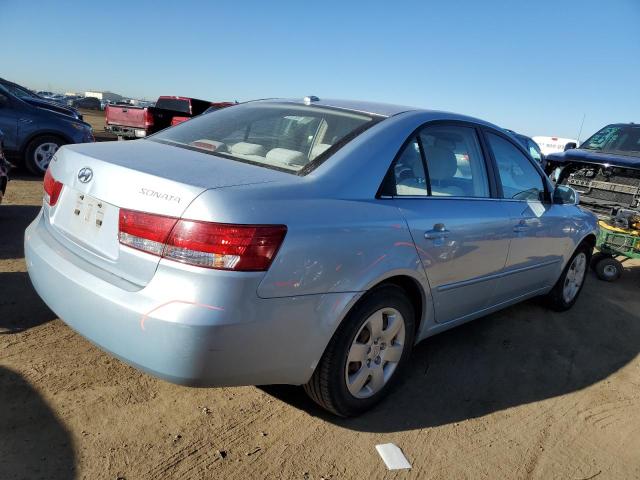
[96, 119]
[525, 393]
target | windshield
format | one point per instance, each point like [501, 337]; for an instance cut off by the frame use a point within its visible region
[19, 91]
[176, 104]
[285, 137]
[616, 138]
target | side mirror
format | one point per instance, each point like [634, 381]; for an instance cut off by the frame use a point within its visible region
[563, 195]
[4, 101]
[570, 146]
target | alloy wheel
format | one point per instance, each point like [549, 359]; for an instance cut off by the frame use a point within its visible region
[375, 353]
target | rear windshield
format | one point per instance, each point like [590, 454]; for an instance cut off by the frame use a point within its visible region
[624, 139]
[286, 137]
[177, 104]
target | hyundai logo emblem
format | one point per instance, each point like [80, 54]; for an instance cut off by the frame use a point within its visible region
[85, 175]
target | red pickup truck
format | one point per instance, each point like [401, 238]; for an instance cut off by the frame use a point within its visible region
[128, 121]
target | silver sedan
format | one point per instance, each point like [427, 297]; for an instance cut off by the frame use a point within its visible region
[303, 242]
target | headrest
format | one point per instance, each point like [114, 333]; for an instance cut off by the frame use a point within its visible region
[319, 149]
[442, 163]
[244, 148]
[286, 156]
[447, 143]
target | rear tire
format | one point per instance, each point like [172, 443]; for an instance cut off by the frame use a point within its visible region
[567, 289]
[40, 151]
[367, 354]
[608, 269]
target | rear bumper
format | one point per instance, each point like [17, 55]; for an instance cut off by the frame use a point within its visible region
[128, 132]
[188, 325]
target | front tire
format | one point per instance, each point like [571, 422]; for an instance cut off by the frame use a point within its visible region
[40, 151]
[568, 287]
[367, 354]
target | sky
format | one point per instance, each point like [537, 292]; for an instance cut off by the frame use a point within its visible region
[534, 66]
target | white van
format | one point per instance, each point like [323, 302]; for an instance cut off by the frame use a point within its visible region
[553, 144]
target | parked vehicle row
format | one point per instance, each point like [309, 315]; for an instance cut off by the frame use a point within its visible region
[129, 121]
[89, 103]
[303, 242]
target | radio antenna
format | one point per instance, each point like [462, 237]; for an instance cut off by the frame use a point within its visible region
[581, 125]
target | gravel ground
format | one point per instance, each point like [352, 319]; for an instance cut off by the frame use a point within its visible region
[524, 393]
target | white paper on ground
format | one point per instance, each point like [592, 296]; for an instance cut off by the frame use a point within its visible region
[392, 456]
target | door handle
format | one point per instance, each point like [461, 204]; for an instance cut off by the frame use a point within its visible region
[521, 227]
[439, 231]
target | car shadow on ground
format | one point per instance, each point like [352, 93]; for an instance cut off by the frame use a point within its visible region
[33, 442]
[20, 306]
[14, 219]
[523, 354]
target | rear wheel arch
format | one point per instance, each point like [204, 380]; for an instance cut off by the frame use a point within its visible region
[329, 385]
[415, 293]
[409, 285]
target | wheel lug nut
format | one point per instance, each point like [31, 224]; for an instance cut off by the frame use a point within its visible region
[368, 362]
[378, 360]
[369, 350]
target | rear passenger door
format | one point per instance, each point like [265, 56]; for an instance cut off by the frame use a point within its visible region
[444, 188]
[537, 225]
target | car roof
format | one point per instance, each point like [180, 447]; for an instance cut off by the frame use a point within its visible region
[378, 108]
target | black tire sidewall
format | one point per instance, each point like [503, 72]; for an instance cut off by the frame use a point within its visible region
[382, 297]
[556, 297]
[602, 263]
[29, 160]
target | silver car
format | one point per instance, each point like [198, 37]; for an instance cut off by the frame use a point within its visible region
[301, 242]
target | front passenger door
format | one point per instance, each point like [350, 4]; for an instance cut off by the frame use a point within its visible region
[535, 254]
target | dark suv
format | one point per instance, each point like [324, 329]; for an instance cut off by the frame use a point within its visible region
[605, 169]
[33, 134]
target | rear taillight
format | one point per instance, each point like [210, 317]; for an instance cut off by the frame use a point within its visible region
[145, 231]
[204, 244]
[148, 118]
[52, 188]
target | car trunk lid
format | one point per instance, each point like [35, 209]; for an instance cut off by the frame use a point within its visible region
[101, 179]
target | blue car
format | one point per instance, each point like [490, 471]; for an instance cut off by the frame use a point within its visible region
[33, 134]
[530, 145]
[36, 100]
[309, 242]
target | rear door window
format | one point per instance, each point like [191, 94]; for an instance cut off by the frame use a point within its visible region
[455, 166]
[455, 163]
[409, 173]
